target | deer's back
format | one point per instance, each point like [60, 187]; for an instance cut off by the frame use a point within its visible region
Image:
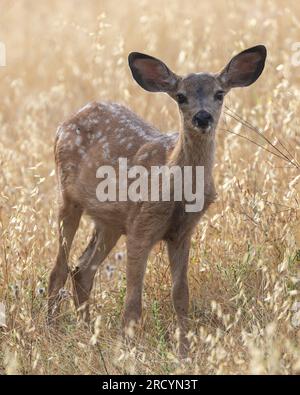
[98, 135]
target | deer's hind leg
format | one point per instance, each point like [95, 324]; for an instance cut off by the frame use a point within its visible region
[69, 218]
[102, 242]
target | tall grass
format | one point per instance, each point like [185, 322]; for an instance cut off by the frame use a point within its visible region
[244, 265]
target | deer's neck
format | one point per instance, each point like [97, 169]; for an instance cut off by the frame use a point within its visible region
[193, 149]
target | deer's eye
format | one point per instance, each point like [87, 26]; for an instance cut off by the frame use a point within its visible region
[181, 99]
[219, 95]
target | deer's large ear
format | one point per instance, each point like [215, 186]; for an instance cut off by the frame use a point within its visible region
[151, 73]
[244, 68]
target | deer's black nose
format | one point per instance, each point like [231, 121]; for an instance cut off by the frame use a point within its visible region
[202, 119]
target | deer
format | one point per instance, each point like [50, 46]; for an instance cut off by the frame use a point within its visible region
[99, 134]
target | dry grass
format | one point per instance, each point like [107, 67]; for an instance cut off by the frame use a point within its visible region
[244, 268]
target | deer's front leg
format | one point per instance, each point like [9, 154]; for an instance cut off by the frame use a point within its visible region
[179, 256]
[137, 255]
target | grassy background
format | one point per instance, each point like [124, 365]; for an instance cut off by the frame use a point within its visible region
[244, 270]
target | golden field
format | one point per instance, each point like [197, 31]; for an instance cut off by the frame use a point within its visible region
[245, 260]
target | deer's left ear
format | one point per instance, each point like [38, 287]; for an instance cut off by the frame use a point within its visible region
[244, 68]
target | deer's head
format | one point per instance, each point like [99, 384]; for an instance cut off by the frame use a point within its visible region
[199, 95]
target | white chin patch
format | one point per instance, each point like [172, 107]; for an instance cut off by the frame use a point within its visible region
[207, 130]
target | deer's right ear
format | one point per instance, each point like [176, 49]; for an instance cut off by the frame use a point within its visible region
[151, 73]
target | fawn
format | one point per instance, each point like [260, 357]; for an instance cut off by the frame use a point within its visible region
[98, 135]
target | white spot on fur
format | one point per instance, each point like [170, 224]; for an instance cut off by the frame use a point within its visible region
[72, 126]
[59, 131]
[81, 152]
[91, 136]
[144, 156]
[106, 152]
[78, 140]
[63, 134]
[69, 167]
